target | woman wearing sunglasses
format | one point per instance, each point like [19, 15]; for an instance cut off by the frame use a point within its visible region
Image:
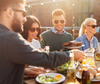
[86, 34]
[32, 31]
[32, 34]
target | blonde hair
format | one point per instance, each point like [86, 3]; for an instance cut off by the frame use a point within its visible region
[83, 25]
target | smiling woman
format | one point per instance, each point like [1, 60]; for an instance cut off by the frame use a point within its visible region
[86, 34]
[32, 31]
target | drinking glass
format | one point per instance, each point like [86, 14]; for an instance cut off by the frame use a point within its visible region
[97, 56]
[47, 49]
[89, 57]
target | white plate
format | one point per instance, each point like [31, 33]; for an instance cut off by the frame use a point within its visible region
[79, 76]
[74, 47]
[51, 75]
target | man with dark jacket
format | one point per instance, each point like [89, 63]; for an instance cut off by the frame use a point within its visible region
[15, 51]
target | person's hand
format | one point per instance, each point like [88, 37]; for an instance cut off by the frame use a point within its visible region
[34, 71]
[41, 49]
[78, 55]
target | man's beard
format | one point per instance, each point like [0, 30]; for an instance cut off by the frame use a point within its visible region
[16, 24]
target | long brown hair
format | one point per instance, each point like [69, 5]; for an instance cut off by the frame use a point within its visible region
[27, 26]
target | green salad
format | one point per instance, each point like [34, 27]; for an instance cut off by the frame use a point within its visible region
[63, 68]
[46, 78]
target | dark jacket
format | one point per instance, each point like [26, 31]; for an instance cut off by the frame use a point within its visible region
[15, 53]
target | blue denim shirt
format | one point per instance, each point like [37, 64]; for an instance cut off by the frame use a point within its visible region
[86, 42]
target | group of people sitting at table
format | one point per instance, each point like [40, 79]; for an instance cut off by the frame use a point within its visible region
[20, 46]
[56, 36]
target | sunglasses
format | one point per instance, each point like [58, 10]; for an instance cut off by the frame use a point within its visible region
[93, 26]
[23, 12]
[57, 21]
[33, 29]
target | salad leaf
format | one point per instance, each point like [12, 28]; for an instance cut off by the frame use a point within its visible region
[46, 78]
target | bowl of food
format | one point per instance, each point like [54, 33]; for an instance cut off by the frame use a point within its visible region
[62, 69]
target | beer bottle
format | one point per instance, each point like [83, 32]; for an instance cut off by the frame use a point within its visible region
[85, 76]
[71, 71]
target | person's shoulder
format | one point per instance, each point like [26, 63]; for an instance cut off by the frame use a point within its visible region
[95, 38]
[14, 35]
[14, 38]
[10, 34]
[46, 32]
[80, 38]
[67, 33]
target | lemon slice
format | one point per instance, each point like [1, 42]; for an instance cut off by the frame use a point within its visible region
[88, 61]
[57, 77]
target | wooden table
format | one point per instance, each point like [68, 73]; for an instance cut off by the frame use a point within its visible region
[28, 80]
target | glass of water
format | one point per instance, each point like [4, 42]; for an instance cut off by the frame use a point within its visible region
[47, 49]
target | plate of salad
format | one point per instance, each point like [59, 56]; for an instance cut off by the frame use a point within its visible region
[50, 78]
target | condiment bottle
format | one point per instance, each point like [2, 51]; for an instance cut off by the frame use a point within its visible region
[85, 76]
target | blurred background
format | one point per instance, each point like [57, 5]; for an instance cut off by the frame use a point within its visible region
[76, 12]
